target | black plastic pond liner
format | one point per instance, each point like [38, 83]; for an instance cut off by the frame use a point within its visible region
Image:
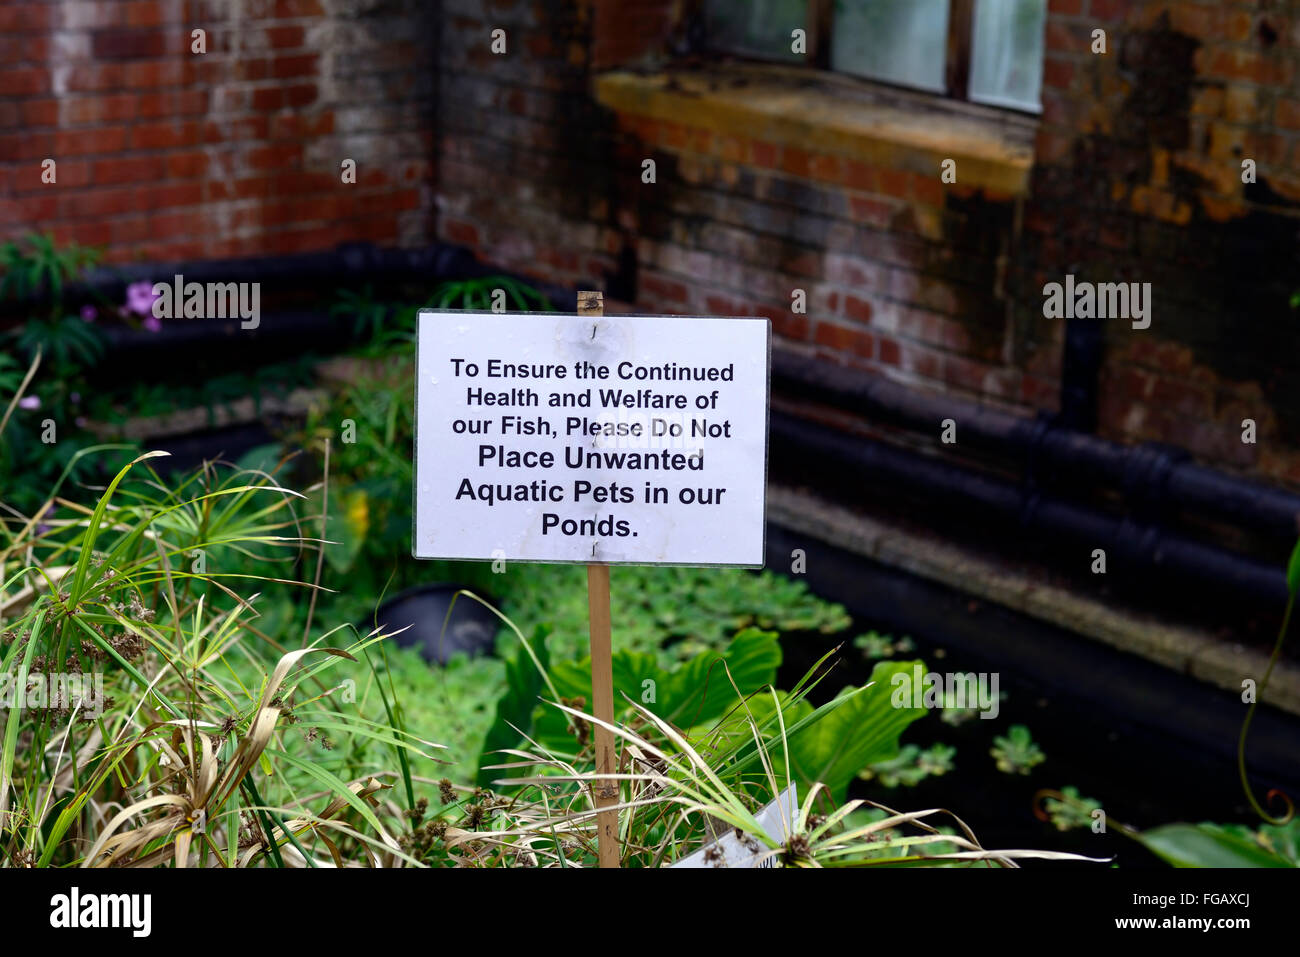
[188, 452]
[199, 348]
[196, 349]
[1154, 745]
[347, 264]
[1129, 544]
[471, 628]
[1153, 478]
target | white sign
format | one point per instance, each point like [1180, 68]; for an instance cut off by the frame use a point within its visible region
[614, 439]
[776, 819]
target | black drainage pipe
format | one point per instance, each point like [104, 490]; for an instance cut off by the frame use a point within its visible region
[1152, 477]
[1129, 543]
[346, 263]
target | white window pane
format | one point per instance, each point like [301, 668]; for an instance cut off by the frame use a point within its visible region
[1007, 52]
[899, 41]
[759, 27]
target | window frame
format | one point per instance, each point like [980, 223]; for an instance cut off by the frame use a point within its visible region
[957, 66]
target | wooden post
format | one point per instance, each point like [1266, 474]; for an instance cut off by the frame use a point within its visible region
[604, 792]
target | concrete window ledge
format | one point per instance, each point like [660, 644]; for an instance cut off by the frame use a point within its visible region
[828, 114]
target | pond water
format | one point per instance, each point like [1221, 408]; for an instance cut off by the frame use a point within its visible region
[1152, 746]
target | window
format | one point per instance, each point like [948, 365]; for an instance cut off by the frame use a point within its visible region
[987, 51]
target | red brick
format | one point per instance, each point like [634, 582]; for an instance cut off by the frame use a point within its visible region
[461, 233]
[128, 44]
[765, 155]
[156, 73]
[99, 109]
[284, 37]
[293, 126]
[172, 103]
[111, 139]
[857, 309]
[873, 212]
[24, 81]
[1039, 393]
[268, 98]
[1248, 65]
[26, 17]
[1288, 114]
[40, 113]
[40, 207]
[662, 288]
[921, 361]
[861, 176]
[287, 9]
[24, 48]
[298, 65]
[169, 194]
[1062, 37]
[27, 146]
[187, 165]
[1051, 146]
[786, 324]
[894, 182]
[95, 77]
[928, 189]
[1058, 73]
[158, 136]
[1108, 11]
[148, 13]
[826, 168]
[845, 339]
[250, 69]
[269, 157]
[795, 161]
[92, 233]
[300, 95]
[139, 169]
[97, 203]
[175, 224]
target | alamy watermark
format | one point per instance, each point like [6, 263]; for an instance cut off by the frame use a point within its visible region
[76, 910]
[82, 692]
[1102, 300]
[208, 300]
[932, 690]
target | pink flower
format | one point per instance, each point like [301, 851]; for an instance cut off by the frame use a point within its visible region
[88, 313]
[152, 323]
[140, 298]
[29, 402]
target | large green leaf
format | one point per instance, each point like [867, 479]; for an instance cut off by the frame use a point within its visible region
[861, 731]
[1283, 839]
[694, 693]
[347, 524]
[1208, 845]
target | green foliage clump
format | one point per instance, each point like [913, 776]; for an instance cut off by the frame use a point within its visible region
[912, 765]
[1015, 752]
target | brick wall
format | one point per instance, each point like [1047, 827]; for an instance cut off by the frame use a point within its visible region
[163, 153]
[1139, 176]
[1136, 177]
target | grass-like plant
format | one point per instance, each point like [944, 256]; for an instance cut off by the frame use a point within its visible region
[213, 732]
[202, 739]
[680, 792]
